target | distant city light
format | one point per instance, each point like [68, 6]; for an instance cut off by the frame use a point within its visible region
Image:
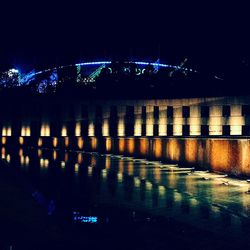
[14, 71]
[84, 219]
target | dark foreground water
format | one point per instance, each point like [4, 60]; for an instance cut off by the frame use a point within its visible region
[153, 204]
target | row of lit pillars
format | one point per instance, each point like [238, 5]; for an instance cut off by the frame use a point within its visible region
[215, 124]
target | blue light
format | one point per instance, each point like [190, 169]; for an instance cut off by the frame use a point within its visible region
[14, 71]
[28, 77]
[96, 63]
[84, 219]
[158, 65]
[93, 63]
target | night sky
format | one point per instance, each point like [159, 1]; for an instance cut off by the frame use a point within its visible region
[214, 37]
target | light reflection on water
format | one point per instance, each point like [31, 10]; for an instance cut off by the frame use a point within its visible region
[206, 200]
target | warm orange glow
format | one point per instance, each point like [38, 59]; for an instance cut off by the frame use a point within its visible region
[25, 131]
[93, 161]
[22, 160]
[78, 129]
[93, 143]
[8, 158]
[162, 126]
[149, 128]
[108, 144]
[21, 140]
[55, 142]
[195, 130]
[54, 155]
[235, 130]
[236, 123]
[173, 150]
[157, 148]
[6, 131]
[162, 130]
[3, 152]
[245, 157]
[121, 145]
[105, 128]
[219, 155]
[27, 160]
[137, 128]
[143, 146]
[9, 132]
[41, 162]
[4, 140]
[66, 156]
[195, 123]
[44, 163]
[80, 142]
[130, 168]
[79, 158]
[39, 153]
[149, 121]
[215, 121]
[20, 153]
[177, 127]
[91, 129]
[40, 142]
[215, 130]
[157, 175]
[45, 130]
[28, 131]
[121, 166]
[64, 131]
[191, 150]
[107, 163]
[131, 145]
[177, 122]
[121, 127]
[190, 184]
[66, 141]
[172, 179]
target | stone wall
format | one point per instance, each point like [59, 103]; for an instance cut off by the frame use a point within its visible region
[227, 155]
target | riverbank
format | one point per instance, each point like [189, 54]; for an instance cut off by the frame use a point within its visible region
[229, 155]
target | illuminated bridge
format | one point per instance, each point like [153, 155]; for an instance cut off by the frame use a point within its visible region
[101, 64]
[86, 73]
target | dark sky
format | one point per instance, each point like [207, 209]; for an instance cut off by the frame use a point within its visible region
[212, 36]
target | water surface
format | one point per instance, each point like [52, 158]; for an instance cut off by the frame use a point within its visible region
[92, 185]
